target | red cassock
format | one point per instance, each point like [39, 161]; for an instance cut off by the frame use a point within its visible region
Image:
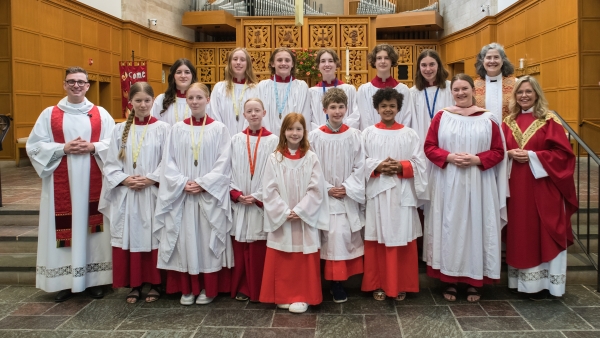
[539, 210]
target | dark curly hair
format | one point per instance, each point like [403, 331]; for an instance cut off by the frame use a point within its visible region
[387, 94]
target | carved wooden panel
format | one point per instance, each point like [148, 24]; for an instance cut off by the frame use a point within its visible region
[288, 36]
[322, 35]
[354, 35]
[206, 74]
[223, 55]
[357, 79]
[421, 48]
[405, 53]
[263, 76]
[358, 60]
[260, 60]
[205, 56]
[258, 36]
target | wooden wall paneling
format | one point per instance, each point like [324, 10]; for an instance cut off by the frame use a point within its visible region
[154, 71]
[25, 14]
[89, 32]
[520, 51]
[568, 11]
[52, 51]
[549, 13]
[589, 35]
[470, 66]
[533, 51]
[4, 12]
[134, 44]
[143, 48]
[51, 79]
[73, 54]
[460, 49]
[5, 104]
[28, 46]
[116, 40]
[589, 8]
[103, 38]
[550, 77]
[5, 83]
[568, 104]
[167, 53]
[50, 100]
[500, 31]
[178, 52]
[104, 62]
[29, 107]
[24, 79]
[89, 53]
[532, 21]
[154, 50]
[548, 43]
[4, 42]
[49, 21]
[567, 39]
[590, 103]
[520, 26]
[590, 69]
[567, 74]
[72, 26]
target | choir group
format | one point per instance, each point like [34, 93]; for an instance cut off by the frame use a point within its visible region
[259, 189]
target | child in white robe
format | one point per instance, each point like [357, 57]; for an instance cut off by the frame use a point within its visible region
[296, 208]
[250, 150]
[396, 180]
[193, 213]
[131, 173]
[228, 96]
[171, 106]
[328, 62]
[283, 93]
[383, 57]
[340, 151]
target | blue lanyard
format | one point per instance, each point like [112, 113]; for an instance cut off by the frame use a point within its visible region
[324, 90]
[430, 109]
[281, 106]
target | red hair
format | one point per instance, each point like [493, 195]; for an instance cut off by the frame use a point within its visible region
[288, 121]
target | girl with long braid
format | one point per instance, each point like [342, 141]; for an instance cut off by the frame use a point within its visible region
[129, 191]
[171, 106]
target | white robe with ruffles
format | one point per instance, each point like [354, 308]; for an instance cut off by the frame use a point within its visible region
[297, 102]
[221, 105]
[318, 117]
[391, 217]
[130, 213]
[248, 219]
[88, 262]
[193, 229]
[468, 206]
[342, 158]
[294, 185]
[369, 115]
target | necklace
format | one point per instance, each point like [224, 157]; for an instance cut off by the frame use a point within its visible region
[252, 163]
[196, 147]
[431, 109]
[335, 83]
[237, 102]
[281, 107]
[137, 147]
[185, 113]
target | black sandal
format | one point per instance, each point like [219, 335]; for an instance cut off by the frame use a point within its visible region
[473, 293]
[134, 295]
[154, 294]
[449, 292]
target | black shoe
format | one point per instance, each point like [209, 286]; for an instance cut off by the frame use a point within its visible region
[96, 292]
[542, 295]
[63, 295]
[337, 290]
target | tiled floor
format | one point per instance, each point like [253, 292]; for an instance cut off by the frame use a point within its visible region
[28, 312]
[21, 187]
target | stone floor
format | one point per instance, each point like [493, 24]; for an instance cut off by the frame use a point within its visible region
[28, 312]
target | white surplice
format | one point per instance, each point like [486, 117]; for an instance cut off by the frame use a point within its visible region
[391, 213]
[130, 213]
[183, 111]
[297, 101]
[248, 219]
[422, 119]
[294, 185]
[318, 117]
[467, 209]
[88, 262]
[342, 160]
[369, 115]
[221, 105]
[193, 229]
[493, 95]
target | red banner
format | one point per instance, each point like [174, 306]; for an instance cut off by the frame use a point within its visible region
[131, 72]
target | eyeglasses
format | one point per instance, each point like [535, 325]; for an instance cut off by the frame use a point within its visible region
[72, 83]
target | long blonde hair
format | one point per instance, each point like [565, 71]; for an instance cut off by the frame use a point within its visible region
[540, 107]
[137, 87]
[251, 79]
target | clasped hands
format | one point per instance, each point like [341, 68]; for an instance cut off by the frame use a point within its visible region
[389, 167]
[79, 146]
[246, 200]
[463, 160]
[519, 155]
[137, 182]
[337, 192]
[192, 188]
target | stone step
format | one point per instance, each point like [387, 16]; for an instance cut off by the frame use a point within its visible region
[18, 239]
[19, 220]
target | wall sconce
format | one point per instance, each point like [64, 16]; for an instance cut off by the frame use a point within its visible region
[521, 63]
[152, 22]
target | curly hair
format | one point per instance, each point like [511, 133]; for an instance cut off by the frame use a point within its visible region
[387, 94]
[391, 52]
[507, 67]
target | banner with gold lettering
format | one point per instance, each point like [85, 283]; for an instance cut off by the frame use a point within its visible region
[130, 72]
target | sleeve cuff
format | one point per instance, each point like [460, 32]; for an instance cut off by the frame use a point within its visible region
[407, 170]
[235, 194]
[537, 169]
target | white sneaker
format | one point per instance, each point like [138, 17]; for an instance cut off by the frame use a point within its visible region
[283, 306]
[298, 307]
[187, 299]
[202, 299]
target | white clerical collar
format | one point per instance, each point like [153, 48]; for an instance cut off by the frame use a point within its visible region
[496, 79]
[528, 111]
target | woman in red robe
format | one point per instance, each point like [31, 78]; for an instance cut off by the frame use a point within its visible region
[542, 194]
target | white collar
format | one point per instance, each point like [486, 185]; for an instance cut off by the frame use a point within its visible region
[497, 77]
[528, 111]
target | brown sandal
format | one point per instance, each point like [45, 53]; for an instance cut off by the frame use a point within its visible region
[153, 295]
[379, 295]
[472, 291]
[401, 296]
[133, 296]
[450, 291]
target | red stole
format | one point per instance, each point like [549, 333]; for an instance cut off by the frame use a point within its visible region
[63, 209]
